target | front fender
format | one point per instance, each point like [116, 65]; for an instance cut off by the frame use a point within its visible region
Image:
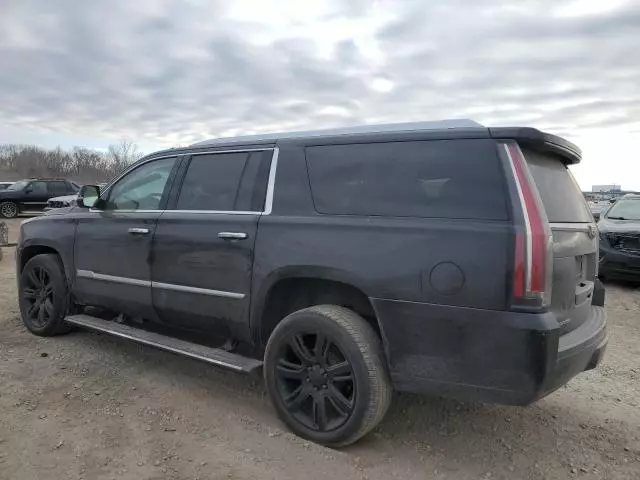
[52, 232]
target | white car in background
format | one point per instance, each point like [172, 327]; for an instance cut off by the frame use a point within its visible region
[5, 185]
[64, 201]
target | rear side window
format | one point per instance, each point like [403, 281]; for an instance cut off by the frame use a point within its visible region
[225, 182]
[439, 179]
[562, 198]
[58, 187]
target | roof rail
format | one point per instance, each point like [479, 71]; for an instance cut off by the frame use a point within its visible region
[359, 129]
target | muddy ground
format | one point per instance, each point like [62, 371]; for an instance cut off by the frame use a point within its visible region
[88, 406]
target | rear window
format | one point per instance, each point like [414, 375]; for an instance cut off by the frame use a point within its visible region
[562, 198]
[438, 179]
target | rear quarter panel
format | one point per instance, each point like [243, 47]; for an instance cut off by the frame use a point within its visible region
[432, 261]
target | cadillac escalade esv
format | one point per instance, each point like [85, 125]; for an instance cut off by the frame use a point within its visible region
[445, 258]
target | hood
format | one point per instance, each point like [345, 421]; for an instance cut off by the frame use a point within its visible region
[621, 226]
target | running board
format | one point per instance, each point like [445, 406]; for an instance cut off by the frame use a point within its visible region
[214, 356]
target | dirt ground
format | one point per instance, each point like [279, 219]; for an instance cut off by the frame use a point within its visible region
[88, 406]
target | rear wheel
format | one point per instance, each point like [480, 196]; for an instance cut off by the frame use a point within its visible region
[44, 296]
[9, 209]
[326, 375]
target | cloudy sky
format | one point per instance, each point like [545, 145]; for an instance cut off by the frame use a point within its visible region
[168, 72]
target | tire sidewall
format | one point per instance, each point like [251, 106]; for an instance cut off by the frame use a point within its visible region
[53, 266]
[309, 321]
[17, 209]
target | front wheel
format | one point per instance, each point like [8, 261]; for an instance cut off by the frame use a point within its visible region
[326, 375]
[44, 296]
[9, 209]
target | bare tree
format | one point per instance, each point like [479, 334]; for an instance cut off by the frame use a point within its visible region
[81, 164]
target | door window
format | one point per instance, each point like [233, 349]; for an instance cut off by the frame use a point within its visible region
[38, 188]
[225, 182]
[58, 187]
[142, 188]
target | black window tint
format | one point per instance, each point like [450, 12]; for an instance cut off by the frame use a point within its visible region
[38, 188]
[443, 178]
[58, 187]
[562, 198]
[253, 185]
[211, 182]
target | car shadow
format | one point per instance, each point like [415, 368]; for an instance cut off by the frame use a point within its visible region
[448, 436]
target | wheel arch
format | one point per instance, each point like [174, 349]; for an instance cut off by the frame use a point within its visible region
[293, 288]
[34, 248]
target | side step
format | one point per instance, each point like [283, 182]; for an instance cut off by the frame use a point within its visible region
[214, 356]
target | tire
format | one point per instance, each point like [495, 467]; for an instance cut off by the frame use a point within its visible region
[340, 396]
[9, 210]
[44, 296]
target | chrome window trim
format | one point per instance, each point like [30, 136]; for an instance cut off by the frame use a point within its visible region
[166, 286]
[268, 202]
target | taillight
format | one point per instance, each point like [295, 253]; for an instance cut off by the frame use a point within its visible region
[533, 245]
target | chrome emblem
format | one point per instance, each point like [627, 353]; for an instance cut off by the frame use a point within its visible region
[592, 231]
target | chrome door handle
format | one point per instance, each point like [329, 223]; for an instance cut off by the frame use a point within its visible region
[139, 231]
[232, 235]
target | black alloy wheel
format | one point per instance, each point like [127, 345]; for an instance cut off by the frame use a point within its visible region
[37, 293]
[316, 381]
[44, 295]
[326, 374]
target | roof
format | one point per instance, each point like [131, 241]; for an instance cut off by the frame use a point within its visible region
[354, 130]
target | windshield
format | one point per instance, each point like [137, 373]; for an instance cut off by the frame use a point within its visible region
[19, 185]
[625, 210]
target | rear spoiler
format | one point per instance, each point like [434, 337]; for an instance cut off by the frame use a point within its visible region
[539, 141]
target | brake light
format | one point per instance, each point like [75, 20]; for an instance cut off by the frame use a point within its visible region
[533, 254]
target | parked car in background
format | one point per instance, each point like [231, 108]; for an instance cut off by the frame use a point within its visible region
[442, 258]
[5, 185]
[64, 201]
[31, 195]
[619, 231]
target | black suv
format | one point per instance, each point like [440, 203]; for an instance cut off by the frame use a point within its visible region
[449, 260]
[620, 239]
[32, 195]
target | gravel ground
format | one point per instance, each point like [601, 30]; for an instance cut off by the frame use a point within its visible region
[90, 406]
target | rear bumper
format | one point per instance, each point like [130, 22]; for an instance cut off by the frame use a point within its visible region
[615, 263]
[480, 355]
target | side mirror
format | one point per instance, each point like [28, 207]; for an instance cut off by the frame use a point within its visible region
[596, 216]
[28, 190]
[88, 196]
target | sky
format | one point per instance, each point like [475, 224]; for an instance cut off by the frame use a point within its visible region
[172, 72]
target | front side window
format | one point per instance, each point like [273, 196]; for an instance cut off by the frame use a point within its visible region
[142, 188]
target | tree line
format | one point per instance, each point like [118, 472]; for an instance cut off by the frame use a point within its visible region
[80, 164]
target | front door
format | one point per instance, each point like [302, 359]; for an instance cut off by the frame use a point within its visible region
[36, 196]
[113, 241]
[204, 243]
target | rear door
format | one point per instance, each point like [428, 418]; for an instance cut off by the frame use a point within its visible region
[203, 247]
[575, 242]
[58, 188]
